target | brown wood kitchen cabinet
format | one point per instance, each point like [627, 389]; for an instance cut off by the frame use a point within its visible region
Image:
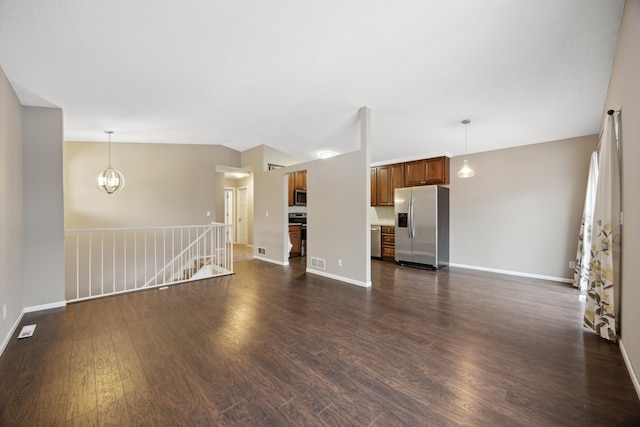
[297, 181]
[388, 242]
[295, 236]
[374, 188]
[300, 179]
[384, 196]
[384, 180]
[427, 171]
[396, 178]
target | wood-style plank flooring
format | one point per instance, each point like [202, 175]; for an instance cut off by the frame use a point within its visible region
[274, 345]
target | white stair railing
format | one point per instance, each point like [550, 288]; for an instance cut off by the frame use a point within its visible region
[108, 261]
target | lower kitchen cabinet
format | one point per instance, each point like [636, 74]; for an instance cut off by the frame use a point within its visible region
[295, 236]
[388, 243]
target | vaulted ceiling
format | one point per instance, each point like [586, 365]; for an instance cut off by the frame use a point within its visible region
[293, 73]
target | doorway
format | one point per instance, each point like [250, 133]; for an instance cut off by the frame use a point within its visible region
[243, 216]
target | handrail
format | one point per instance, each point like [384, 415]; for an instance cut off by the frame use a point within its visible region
[177, 257]
[108, 261]
[157, 227]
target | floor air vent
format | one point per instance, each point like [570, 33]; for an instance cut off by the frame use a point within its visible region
[27, 331]
[318, 263]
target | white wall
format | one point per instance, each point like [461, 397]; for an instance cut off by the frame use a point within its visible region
[624, 95]
[166, 184]
[522, 210]
[43, 244]
[11, 222]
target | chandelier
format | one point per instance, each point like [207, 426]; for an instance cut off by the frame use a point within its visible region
[110, 180]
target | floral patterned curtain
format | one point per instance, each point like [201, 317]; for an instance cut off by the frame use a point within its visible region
[583, 255]
[603, 282]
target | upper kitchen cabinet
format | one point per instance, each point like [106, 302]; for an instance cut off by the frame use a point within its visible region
[427, 171]
[297, 181]
[300, 179]
[374, 187]
[383, 186]
[396, 178]
[384, 180]
[292, 187]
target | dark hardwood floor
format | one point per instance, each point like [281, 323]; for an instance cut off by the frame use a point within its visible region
[273, 345]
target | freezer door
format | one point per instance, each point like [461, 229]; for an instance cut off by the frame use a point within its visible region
[402, 201]
[424, 242]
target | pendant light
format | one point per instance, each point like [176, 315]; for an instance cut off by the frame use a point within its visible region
[110, 180]
[466, 171]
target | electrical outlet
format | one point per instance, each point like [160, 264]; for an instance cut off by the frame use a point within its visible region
[572, 265]
[4, 312]
[339, 263]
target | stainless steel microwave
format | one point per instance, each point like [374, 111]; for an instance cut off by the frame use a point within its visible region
[300, 197]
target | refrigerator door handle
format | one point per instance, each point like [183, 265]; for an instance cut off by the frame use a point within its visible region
[412, 228]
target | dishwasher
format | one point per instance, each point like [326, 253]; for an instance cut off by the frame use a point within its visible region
[376, 241]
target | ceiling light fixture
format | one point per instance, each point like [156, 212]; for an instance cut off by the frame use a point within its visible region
[466, 171]
[110, 180]
[327, 154]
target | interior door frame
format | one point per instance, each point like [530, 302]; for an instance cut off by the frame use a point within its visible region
[245, 223]
[232, 220]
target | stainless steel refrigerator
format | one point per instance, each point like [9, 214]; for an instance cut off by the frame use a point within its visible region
[422, 226]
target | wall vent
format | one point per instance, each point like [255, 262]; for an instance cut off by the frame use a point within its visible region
[262, 251]
[318, 263]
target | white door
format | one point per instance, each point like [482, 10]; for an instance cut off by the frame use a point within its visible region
[229, 211]
[243, 215]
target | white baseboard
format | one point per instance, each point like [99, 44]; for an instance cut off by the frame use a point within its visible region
[10, 334]
[512, 273]
[632, 374]
[340, 278]
[272, 261]
[44, 306]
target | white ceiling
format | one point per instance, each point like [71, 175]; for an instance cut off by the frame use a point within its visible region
[293, 73]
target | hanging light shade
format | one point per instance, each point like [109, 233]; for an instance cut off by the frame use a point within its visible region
[110, 180]
[466, 171]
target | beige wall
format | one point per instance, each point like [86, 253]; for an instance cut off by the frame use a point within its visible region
[166, 184]
[30, 209]
[43, 244]
[624, 95]
[11, 222]
[522, 210]
[337, 206]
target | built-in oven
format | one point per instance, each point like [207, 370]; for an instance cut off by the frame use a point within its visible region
[300, 197]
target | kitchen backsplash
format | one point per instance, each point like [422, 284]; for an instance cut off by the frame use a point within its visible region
[382, 215]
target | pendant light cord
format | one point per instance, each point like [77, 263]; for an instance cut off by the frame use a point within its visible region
[109, 132]
[466, 126]
[465, 122]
